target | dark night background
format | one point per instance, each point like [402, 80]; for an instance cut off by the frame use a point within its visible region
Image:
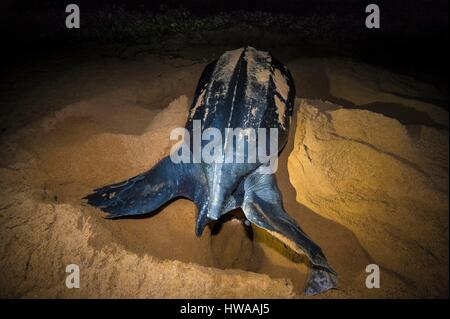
[413, 34]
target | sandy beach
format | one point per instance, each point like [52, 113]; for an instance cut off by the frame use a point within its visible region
[365, 173]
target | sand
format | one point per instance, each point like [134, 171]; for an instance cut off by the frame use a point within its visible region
[367, 183]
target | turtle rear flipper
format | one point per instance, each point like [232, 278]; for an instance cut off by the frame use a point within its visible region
[262, 206]
[148, 191]
[320, 280]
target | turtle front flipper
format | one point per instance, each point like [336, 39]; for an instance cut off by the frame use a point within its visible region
[262, 206]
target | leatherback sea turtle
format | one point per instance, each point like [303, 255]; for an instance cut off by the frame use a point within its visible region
[247, 89]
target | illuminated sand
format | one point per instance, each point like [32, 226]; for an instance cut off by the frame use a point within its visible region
[385, 183]
[365, 194]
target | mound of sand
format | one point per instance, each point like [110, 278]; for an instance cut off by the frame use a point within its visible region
[42, 239]
[44, 227]
[370, 187]
[386, 182]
